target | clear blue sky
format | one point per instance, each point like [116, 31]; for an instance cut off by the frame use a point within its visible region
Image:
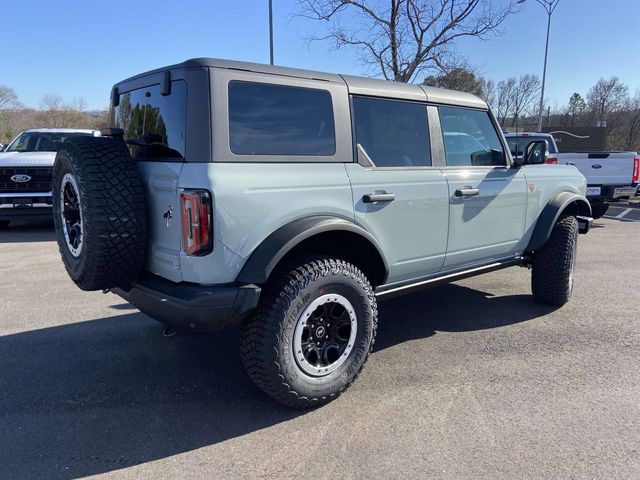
[79, 48]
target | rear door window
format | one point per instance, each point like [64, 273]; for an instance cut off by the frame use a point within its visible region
[267, 119]
[154, 125]
[393, 133]
[470, 138]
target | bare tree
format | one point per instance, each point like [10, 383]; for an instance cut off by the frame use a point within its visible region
[58, 114]
[525, 95]
[51, 102]
[513, 98]
[8, 98]
[632, 138]
[505, 93]
[489, 93]
[605, 98]
[78, 104]
[399, 39]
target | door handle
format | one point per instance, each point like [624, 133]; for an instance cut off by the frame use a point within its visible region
[378, 197]
[467, 192]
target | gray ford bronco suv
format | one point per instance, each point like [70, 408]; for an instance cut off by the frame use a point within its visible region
[291, 201]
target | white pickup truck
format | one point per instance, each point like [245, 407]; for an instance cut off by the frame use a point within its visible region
[611, 176]
[26, 165]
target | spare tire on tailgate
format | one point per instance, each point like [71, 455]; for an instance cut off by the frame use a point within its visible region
[99, 212]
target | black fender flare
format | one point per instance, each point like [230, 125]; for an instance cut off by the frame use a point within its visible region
[550, 214]
[266, 256]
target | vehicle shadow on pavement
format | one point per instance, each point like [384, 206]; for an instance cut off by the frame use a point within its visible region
[32, 231]
[102, 395]
[97, 396]
[451, 308]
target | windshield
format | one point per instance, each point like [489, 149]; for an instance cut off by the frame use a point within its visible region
[517, 144]
[41, 141]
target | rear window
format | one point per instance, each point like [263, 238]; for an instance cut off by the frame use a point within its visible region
[154, 125]
[518, 144]
[267, 119]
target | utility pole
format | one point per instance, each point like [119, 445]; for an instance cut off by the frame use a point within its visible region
[549, 6]
[270, 32]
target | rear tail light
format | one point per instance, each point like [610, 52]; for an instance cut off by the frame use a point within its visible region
[197, 237]
[552, 161]
[636, 169]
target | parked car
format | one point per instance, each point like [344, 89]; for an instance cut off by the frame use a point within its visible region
[611, 176]
[290, 201]
[26, 165]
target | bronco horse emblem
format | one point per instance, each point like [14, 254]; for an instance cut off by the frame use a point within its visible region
[168, 216]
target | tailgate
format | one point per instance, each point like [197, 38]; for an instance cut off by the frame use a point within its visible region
[163, 204]
[602, 168]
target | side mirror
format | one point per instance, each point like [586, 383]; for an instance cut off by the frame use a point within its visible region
[536, 153]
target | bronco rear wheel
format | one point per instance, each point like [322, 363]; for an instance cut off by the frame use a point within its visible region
[99, 212]
[312, 332]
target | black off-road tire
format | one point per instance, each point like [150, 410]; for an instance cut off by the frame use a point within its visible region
[553, 266]
[266, 341]
[113, 209]
[599, 209]
[4, 224]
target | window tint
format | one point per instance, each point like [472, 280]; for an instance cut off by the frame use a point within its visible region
[154, 125]
[392, 133]
[269, 119]
[470, 139]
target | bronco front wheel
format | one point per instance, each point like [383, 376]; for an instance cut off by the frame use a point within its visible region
[554, 265]
[312, 332]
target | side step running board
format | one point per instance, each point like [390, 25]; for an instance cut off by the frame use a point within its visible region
[390, 292]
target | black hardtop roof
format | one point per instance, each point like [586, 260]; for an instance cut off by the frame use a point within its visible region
[355, 84]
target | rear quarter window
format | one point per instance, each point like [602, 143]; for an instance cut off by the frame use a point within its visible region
[154, 125]
[267, 119]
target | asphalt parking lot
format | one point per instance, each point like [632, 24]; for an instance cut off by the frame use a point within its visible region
[469, 380]
[627, 212]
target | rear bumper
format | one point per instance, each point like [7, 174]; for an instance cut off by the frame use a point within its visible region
[624, 192]
[612, 192]
[189, 307]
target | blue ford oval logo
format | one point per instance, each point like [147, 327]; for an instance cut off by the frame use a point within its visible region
[20, 178]
[596, 165]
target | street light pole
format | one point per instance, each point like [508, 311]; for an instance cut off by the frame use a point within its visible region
[544, 75]
[270, 32]
[549, 6]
